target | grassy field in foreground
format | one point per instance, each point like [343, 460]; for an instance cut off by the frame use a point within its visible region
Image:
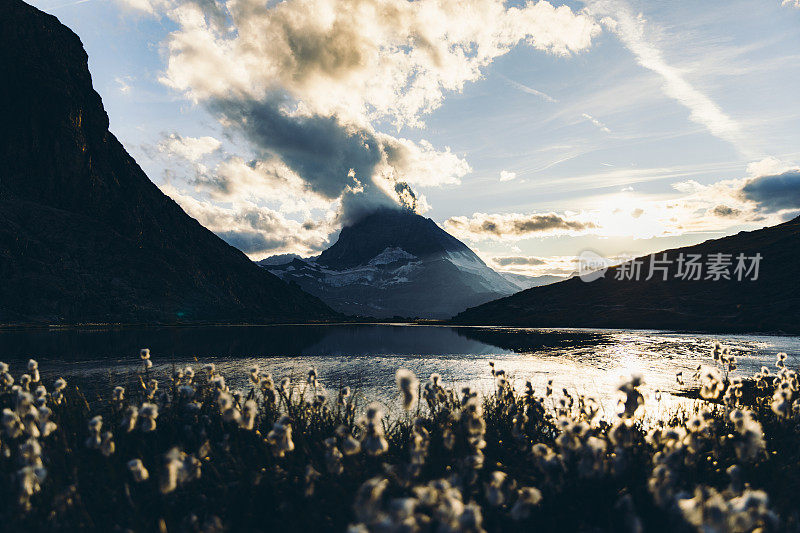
[192, 455]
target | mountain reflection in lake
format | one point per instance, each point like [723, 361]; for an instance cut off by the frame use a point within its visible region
[366, 356]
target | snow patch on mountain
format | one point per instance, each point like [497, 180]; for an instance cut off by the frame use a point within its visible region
[391, 255]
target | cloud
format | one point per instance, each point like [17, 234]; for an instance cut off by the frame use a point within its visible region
[505, 175]
[148, 7]
[529, 90]
[769, 166]
[335, 159]
[536, 266]
[420, 163]
[262, 182]
[189, 148]
[632, 31]
[775, 192]
[123, 84]
[791, 3]
[309, 85]
[514, 226]
[305, 81]
[724, 211]
[256, 230]
[695, 208]
[596, 122]
[519, 260]
[360, 59]
[319, 148]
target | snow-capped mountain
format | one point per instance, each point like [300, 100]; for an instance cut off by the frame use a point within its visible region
[396, 263]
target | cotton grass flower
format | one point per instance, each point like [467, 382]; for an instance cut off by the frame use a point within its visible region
[6, 379]
[228, 408]
[280, 437]
[408, 384]
[633, 400]
[151, 388]
[750, 443]
[57, 395]
[217, 384]
[333, 457]
[249, 412]
[147, 417]
[46, 426]
[12, 425]
[95, 425]
[374, 442]
[268, 391]
[118, 394]
[344, 394]
[144, 355]
[33, 370]
[138, 471]
[129, 419]
[368, 496]
[349, 445]
[495, 489]
[527, 499]
[30, 480]
[107, 446]
[178, 469]
[711, 383]
[254, 375]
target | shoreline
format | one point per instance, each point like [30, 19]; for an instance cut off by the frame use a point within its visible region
[104, 326]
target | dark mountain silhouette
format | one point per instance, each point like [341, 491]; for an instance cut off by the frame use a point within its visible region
[386, 228]
[769, 304]
[85, 236]
[396, 263]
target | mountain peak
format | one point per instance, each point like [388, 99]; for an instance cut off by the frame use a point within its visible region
[396, 263]
[389, 228]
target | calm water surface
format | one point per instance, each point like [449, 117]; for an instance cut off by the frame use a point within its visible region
[366, 356]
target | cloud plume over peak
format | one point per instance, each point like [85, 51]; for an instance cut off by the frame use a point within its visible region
[305, 81]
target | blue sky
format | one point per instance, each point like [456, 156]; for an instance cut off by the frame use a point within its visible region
[621, 127]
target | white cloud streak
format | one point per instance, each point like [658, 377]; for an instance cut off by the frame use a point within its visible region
[529, 90]
[631, 29]
[596, 122]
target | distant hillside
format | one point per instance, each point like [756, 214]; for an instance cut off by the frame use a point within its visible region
[524, 281]
[769, 304]
[396, 263]
[85, 236]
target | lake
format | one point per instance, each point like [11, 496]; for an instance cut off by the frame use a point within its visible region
[366, 356]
